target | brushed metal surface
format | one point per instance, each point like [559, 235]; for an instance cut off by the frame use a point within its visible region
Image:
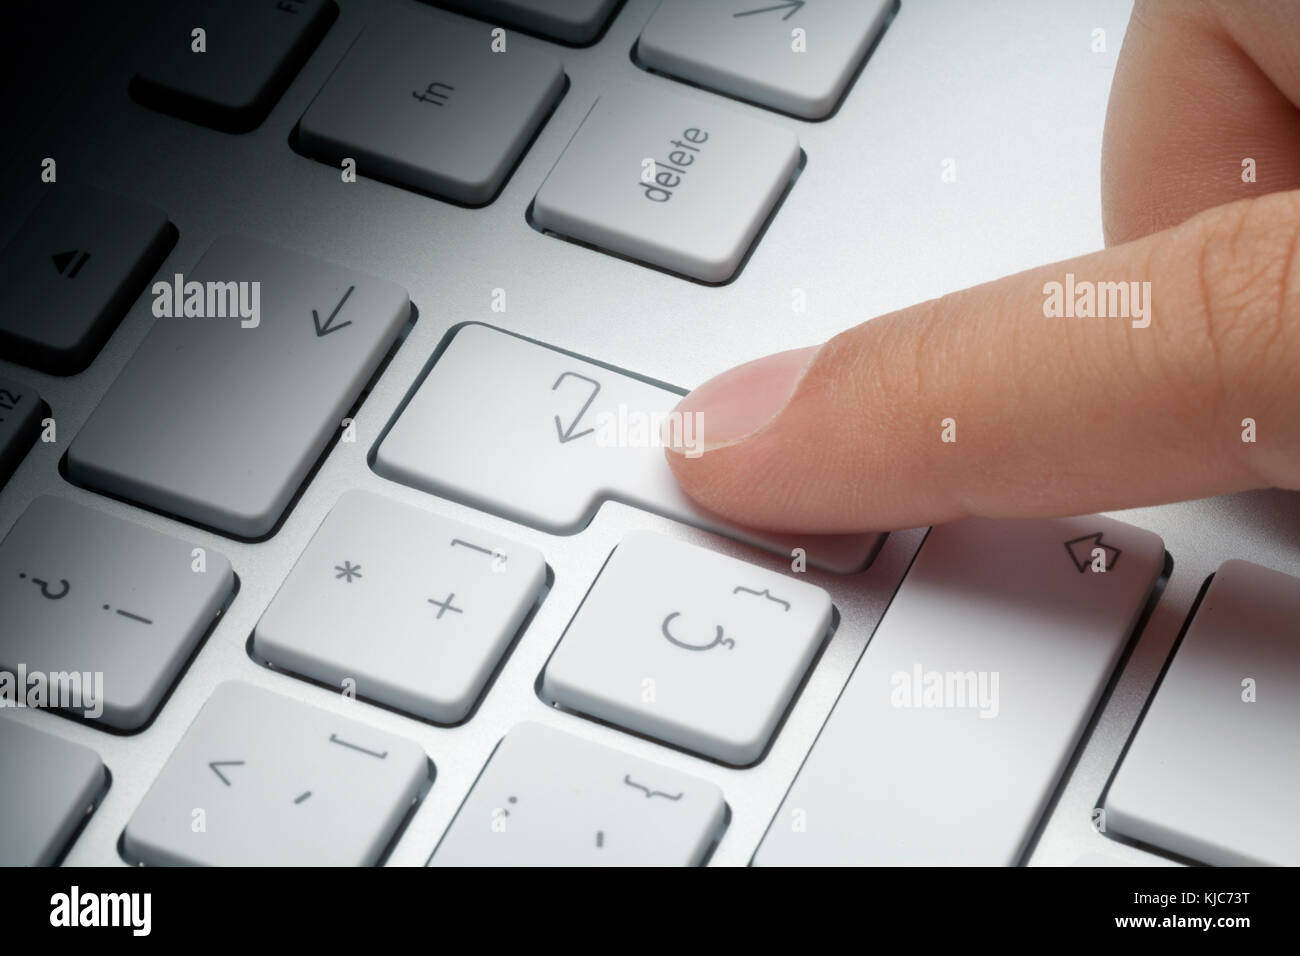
[1010, 90]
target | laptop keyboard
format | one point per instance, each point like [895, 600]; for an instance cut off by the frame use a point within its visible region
[951, 740]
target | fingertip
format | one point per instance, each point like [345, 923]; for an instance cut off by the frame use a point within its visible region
[736, 404]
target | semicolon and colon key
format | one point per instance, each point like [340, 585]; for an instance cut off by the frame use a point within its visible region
[547, 798]
[585, 433]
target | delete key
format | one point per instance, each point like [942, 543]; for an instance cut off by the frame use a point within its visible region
[668, 180]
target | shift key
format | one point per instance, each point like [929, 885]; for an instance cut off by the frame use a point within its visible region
[254, 361]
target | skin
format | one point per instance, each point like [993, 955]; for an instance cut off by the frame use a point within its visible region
[1063, 416]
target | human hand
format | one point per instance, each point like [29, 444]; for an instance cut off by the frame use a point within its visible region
[1067, 415]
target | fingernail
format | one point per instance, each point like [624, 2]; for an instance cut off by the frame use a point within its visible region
[734, 405]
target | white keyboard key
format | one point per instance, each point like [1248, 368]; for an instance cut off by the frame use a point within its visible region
[750, 49]
[569, 21]
[118, 606]
[954, 730]
[421, 99]
[219, 420]
[583, 434]
[1213, 773]
[414, 609]
[549, 799]
[47, 786]
[679, 182]
[261, 780]
[689, 646]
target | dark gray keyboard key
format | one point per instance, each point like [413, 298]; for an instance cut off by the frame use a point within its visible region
[20, 423]
[218, 419]
[252, 50]
[72, 271]
[47, 786]
[105, 611]
[422, 101]
[569, 21]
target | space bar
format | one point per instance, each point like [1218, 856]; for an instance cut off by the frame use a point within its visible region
[542, 437]
[957, 725]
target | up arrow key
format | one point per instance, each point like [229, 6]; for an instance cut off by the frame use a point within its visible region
[329, 325]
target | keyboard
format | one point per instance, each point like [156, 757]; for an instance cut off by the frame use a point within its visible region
[335, 340]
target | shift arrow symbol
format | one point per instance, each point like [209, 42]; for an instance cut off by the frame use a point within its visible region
[1082, 552]
[329, 325]
[214, 764]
